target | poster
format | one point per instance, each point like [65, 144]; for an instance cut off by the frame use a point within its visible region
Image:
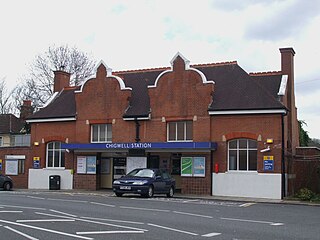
[12, 167]
[91, 164]
[81, 164]
[199, 166]
[186, 166]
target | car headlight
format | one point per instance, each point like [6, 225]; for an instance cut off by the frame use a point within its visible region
[116, 182]
[139, 182]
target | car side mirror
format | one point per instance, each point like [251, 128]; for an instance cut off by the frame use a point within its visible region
[158, 177]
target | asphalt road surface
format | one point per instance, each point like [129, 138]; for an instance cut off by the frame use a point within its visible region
[89, 215]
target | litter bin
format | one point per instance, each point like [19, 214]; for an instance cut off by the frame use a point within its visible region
[54, 182]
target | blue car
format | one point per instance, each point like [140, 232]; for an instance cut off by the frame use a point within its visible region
[146, 182]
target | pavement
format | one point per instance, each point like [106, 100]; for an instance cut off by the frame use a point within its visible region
[109, 192]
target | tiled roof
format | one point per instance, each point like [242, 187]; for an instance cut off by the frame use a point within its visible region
[234, 89]
[9, 123]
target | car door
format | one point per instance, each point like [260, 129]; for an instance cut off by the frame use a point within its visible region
[159, 184]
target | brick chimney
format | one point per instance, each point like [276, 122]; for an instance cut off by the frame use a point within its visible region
[61, 80]
[26, 109]
[287, 68]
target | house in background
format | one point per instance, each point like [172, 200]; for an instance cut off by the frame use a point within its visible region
[218, 129]
[15, 145]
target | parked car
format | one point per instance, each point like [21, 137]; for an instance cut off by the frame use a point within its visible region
[146, 182]
[6, 182]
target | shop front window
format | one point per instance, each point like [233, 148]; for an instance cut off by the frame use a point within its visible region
[242, 155]
[55, 155]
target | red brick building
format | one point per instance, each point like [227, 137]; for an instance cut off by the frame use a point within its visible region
[216, 128]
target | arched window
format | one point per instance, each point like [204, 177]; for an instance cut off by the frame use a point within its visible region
[55, 155]
[242, 155]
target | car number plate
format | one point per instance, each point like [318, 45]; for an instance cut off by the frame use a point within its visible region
[125, 187]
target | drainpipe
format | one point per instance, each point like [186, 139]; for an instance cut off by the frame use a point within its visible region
[283, 165]
[137, 130]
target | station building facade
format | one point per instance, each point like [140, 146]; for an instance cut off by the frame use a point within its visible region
[218, 129]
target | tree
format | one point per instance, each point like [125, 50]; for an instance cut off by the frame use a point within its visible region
[38, 84]
[303, 135]
[5, 98]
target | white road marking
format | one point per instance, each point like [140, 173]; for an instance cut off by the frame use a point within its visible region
[253, 221]
[191, 200]
[102, 204]
[112, 220]
[45, 220]
[67, 214]
[66, 200]
[146, 209]
[86, 220]
[247, 204]
[107, 232]
[211, 234]
[173, 229]
[12, 206]
[45, 230]
[192, 214]
[11, 211]
[36, 197]
[21, 233]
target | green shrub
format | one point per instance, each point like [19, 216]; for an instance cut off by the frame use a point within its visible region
[305, 194]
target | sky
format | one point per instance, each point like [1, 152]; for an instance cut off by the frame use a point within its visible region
[137, 34]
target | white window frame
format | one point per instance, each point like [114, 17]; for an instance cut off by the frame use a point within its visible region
[238, 157]
[184, 131]
[108, 126]
[53, 155]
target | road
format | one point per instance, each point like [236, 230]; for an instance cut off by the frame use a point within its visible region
[89, 215]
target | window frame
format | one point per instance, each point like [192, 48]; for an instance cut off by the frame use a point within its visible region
[238, 149]
[60, 151]
[1, 141]
[185, 133]
[108, 126]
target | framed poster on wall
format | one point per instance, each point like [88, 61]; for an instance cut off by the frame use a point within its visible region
[12, 167]
[193, 166]
[81, 164]
[186, 166]
[91, 164]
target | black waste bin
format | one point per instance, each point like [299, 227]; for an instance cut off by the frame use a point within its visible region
[54, 182]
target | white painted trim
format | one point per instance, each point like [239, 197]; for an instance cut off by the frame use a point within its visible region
[50, 100]
[15, 157]
[109, 74]
[283, 111]
[51, 120]
[139, 118]
[187, 67]
[283, 85]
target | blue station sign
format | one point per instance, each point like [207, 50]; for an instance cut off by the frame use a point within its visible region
[144, 145]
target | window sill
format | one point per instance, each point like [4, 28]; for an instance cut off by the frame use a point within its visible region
[242, 172]
[54, 168]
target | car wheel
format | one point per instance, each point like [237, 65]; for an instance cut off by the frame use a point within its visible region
[7, 186]
[118, 194]
[150, 192]
[171, 192]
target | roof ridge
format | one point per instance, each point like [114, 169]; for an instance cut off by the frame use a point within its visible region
[142, 70]
[214, 64]
[267, 73]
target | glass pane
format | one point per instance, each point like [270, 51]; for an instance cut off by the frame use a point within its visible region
[103, 136]
[57, 145]
[50, 159]
[252, 160]
[109, 132]
[94, 133]
[56, 156]
[172, 131]
[243, 143]
[62, 159]
[233, 144]
[189, 130]
[242, 160]
[252, 144]
[180, 131]
[50, 145]
[233, 160]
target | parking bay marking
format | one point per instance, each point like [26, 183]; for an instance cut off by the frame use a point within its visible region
[253, 221]
[173, 229]
[102, 204]
[45, 220]
[192, 214]
[107, 232]
[20, 233]
[146, 209]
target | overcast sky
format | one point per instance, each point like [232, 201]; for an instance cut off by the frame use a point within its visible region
[138, 34]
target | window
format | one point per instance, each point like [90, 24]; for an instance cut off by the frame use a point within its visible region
[242, 155]
[55, 155]
[1, 141]
[179, 131]
[101, 133]
[21, 140]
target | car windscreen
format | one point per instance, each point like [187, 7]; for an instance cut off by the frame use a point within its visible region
[141, 173]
